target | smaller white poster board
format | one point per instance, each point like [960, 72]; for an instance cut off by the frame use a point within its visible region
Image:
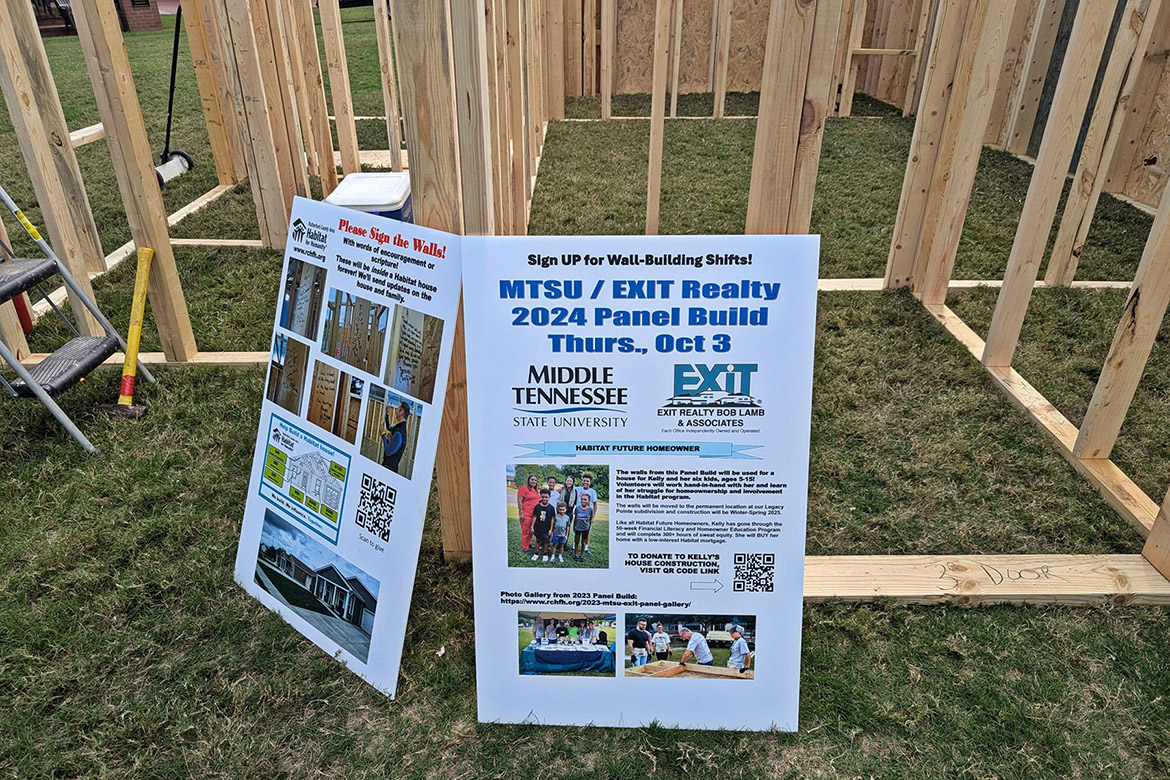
[348, 430]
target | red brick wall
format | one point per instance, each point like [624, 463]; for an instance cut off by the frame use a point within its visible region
[140, 17]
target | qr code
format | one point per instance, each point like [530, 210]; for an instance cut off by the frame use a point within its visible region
[754, 572]
[376, 507]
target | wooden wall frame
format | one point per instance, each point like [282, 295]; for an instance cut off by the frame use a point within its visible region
[475, 139]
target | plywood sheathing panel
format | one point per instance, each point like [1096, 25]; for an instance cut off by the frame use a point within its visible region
[1147, 176]
[695, 52]
[633, 53]
[749, 33]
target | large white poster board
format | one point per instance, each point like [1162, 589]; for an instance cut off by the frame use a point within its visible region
[668, 380]
[348, 431]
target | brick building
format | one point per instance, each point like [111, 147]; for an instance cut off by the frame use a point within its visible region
[55, 17]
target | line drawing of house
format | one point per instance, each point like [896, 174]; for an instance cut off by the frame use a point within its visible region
[310, 472]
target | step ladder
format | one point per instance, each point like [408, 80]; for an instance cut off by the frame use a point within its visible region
[79, 356]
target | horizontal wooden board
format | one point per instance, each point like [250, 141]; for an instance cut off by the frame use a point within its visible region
[159, 359]
[875, 285]
[986, 579]
[87, 135]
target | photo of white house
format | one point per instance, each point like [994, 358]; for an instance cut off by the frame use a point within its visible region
[334, 596]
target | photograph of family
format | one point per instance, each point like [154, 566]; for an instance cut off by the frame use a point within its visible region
[558, 516]
[575, 643]
[716, 647]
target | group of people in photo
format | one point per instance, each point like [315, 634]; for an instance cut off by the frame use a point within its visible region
[568, 632]
[550, 513]
[640, 643]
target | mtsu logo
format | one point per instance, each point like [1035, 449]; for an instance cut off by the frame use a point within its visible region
[721, 384]
[298, 232]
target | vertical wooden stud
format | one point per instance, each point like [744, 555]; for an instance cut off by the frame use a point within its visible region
[716, 11]
[226, 83]
[818, 99]
[24, 95]
[529, 46]
[422, 42]
[878, 41]
[657, 114]
[1143, 96]
[505, 213]
[279, 92]
[517, 126]
[469, 52]
[319, 131]
[959, 148]
[942, 61]
[842, 49]
[555, 48]
[424, 47]
[209, 96]
[339, 89]
[100, 34]
[1085, 46]
[1112, 99]
[786, 58]
[909, 84]
[272, 208]
[722, 55]
[300, 89]
[675, 55]
[589, 48]
[897, 37]
[608, 40]
[59, 151]
[1013, 57]
[1141, 319]
[852, 62]
[1027, 102]
[573, 47]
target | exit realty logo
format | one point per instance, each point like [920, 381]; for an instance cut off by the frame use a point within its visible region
[717, 395]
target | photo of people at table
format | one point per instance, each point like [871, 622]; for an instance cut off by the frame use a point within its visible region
[709, 646]
[558, 516]
[575, 643]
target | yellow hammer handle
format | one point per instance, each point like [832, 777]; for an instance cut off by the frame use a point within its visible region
[137, 311]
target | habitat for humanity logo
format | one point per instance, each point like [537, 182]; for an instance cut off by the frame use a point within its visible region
[712, 395]
[310, 233]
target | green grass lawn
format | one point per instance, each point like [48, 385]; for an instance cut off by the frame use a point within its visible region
[126, 650]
